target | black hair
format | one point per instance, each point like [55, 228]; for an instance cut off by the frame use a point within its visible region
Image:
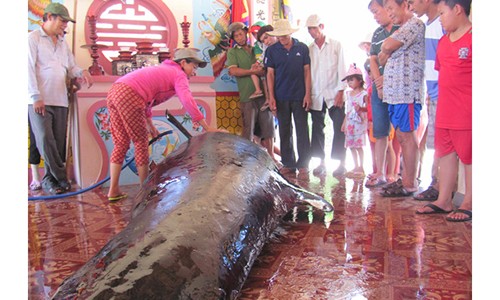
[380, 2]
[263, 30]
[357, 76]
[188, 60]
[367, 65]
[465, 4]
[398, 2]
[46, 16]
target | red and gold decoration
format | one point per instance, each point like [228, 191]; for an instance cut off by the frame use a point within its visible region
[95, 69]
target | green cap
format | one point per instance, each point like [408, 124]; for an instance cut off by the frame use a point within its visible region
[60, 10]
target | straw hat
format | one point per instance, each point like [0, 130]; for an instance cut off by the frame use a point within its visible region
[353, 70]
[282, 27]
[189, 53]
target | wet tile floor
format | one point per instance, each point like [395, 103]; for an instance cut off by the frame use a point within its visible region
[370, 248]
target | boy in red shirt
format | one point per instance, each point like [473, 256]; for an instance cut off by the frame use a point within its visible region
[453, 139]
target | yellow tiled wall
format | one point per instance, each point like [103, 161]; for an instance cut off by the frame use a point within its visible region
[228, 112]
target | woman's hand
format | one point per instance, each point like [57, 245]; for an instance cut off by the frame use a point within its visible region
[152, 129]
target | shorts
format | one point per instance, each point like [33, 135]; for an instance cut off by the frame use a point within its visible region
[254, 118]
[373, 139]
[431, 126]
[405, 117]
[450, 140]
[380, 115]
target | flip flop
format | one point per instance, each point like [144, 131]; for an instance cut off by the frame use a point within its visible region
[463, 211]
[435, 210]
[253, 96]
[119, 197]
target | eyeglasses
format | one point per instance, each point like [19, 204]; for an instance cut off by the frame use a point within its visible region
[195, 66]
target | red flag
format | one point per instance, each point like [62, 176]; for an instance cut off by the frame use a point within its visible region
[240, 12]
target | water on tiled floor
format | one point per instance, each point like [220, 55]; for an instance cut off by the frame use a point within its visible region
[370, 248]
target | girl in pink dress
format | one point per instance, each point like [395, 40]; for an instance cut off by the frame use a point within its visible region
[356, 121]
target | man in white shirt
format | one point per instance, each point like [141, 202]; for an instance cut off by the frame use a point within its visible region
[50, 61]
[327, 70]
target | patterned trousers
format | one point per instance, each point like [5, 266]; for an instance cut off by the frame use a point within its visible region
[128, 123]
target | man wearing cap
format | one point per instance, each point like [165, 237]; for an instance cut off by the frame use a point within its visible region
[289, 83]
[239, 62]
[50, 62]
[130, 101]
[327, 70]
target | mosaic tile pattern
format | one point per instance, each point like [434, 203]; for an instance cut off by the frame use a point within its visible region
[374, 248]
[228, 112]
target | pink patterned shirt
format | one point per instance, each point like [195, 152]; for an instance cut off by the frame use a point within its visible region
[159, 83]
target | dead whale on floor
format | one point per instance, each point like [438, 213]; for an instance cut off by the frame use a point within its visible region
[201, 220]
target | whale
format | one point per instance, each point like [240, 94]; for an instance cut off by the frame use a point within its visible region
[198, 223]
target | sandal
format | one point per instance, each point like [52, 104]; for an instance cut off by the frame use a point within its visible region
[394, 184]
[462, 211]
[35, 186]
[119, 197]
[264, 106]
[256, 95]
[434, 210]
[430, 194]
[375, 182]
[52, 187]
[398, 191]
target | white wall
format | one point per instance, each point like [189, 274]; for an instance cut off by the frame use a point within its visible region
[346, 21]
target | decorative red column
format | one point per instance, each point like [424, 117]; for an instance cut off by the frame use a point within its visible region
[185, 32]
[95, 69]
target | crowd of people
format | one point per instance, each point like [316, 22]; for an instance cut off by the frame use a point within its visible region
[413, 92]
[409, 68]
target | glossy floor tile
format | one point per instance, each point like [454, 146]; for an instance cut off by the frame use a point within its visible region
[369, 248]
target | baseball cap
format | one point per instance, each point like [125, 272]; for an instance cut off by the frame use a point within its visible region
[255, 27]
[60, 10]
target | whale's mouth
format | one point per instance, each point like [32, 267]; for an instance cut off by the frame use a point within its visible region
[319, 204]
